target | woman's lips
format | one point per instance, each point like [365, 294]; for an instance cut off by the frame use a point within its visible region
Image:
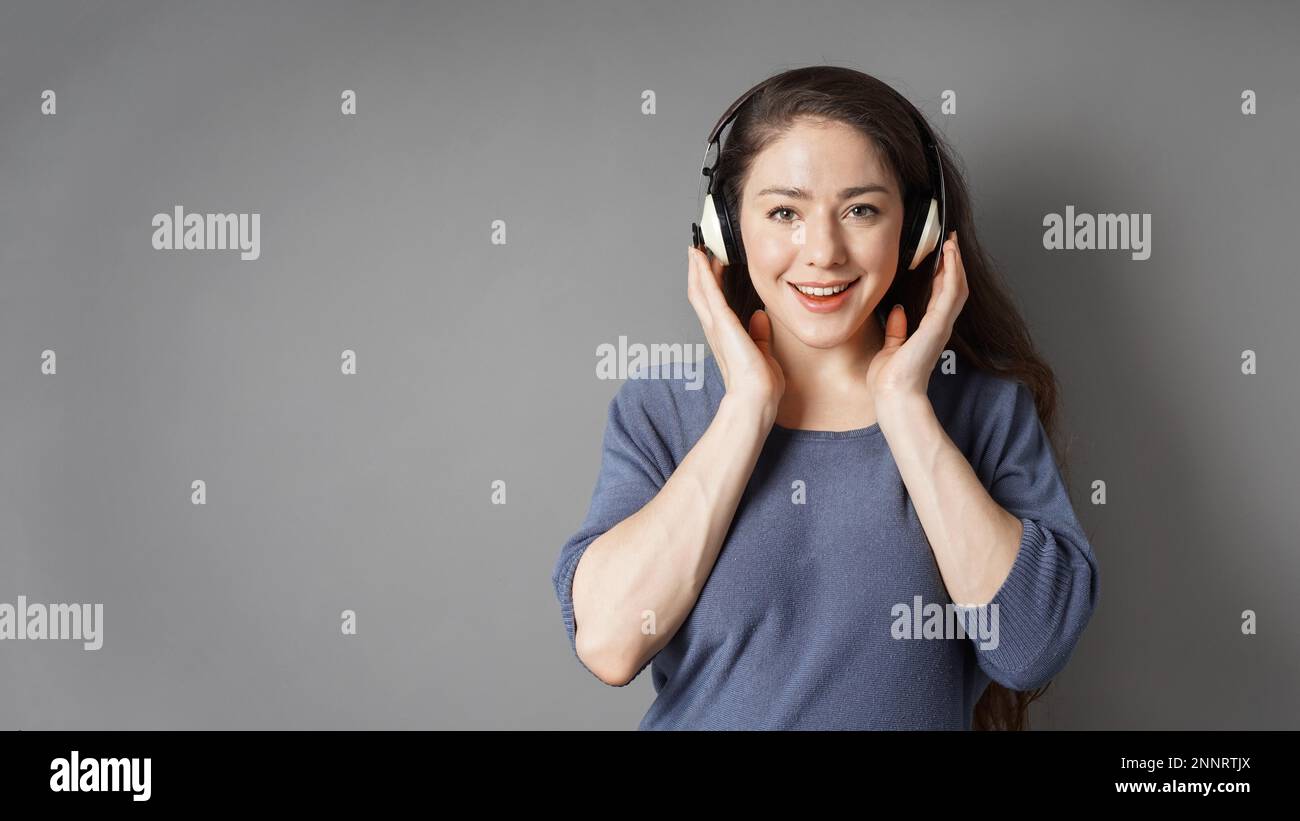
[824, 304]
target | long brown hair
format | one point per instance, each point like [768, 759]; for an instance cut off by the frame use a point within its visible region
[989, 333]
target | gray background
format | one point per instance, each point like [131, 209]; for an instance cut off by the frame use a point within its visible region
[477, 361]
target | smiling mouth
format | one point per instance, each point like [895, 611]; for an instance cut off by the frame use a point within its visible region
[826, 294]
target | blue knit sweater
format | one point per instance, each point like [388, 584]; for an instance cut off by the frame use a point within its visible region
[825, 608]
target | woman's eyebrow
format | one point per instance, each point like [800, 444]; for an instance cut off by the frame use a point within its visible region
[801, 194]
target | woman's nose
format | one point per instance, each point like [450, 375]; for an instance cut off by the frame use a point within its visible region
[823, 245]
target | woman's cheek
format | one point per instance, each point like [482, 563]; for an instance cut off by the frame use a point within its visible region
[772, 255]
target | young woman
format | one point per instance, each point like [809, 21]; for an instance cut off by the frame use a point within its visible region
[787, 544]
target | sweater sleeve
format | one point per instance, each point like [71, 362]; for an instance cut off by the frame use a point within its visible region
[635, 463]
[1049, 595]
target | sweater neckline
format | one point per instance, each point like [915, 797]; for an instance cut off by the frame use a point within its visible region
[801, 433]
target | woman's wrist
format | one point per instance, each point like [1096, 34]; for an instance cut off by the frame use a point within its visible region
[758, 412]
[900, 407]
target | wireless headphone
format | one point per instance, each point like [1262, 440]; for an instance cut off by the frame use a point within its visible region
[923, 224]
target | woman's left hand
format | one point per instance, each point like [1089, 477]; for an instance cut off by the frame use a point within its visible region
[903, 366]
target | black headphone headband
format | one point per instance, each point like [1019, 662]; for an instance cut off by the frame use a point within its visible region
[922, 127]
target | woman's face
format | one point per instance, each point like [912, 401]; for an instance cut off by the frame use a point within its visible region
[820, 208]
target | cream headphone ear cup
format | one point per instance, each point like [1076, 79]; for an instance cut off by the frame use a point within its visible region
[711, 229]
[721, 232]
[929, 236]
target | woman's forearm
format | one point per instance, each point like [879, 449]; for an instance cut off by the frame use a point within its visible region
[635, 585]
[974, 539]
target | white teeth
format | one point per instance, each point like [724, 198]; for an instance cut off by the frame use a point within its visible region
[823, 291]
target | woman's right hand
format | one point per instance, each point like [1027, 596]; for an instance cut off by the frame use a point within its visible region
[749, 371]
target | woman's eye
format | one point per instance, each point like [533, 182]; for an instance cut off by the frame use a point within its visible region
[865, 211]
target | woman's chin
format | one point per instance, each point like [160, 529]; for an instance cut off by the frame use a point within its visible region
[824, 333]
